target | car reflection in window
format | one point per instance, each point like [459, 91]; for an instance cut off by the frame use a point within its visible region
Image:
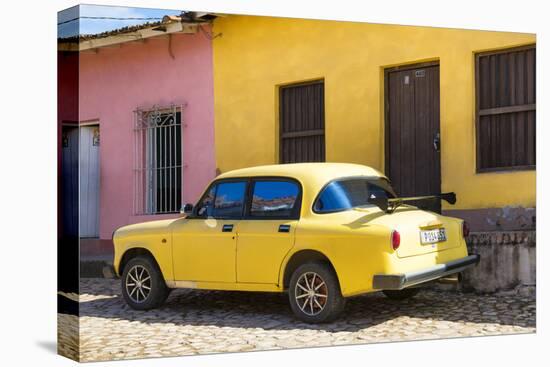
[274, 199]
[204, 208]
[223, 200]
[229, 200]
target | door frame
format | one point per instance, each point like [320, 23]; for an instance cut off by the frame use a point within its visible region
[387, 71]
[63, 199]
[84, 124]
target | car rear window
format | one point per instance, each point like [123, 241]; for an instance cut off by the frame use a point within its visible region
[350, 193]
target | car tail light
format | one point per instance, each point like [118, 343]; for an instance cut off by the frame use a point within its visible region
[395, 239]
[465, 229]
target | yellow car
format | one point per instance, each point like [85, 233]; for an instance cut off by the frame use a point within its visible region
[320, 231]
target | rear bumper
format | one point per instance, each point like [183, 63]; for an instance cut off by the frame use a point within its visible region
[400, 281]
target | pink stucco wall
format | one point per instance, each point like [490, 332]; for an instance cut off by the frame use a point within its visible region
[115, 81]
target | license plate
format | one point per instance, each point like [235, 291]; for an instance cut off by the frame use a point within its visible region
[433, 236]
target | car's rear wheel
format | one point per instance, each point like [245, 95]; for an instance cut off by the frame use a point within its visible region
[143, 286]
[314, 293]
[401, 294]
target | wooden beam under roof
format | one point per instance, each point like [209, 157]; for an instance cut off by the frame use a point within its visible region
[138, 35]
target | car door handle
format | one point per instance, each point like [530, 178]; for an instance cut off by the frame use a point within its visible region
[227, 228]
[284, 228]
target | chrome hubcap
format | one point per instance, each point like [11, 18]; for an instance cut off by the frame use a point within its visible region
[138, 284]
[311, 293]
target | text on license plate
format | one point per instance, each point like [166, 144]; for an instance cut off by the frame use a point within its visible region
[433, 236]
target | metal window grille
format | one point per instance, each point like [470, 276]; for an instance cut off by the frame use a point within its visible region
[158, 160]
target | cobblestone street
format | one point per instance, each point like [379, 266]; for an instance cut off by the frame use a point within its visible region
[195, 322]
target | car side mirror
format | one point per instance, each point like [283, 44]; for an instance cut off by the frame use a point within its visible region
[187, 209]
[379, 201]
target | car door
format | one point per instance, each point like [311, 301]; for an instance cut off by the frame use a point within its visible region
[266, 234]
[204, 245]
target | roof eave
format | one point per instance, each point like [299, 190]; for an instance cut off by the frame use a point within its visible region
[138, 35]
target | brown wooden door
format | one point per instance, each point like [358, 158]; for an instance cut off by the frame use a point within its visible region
[302, 122]
[412, 132]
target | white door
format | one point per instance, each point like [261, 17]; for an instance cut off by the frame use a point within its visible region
[89, 181]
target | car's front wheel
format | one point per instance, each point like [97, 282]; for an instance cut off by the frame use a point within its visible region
[314, 293]
[143, 286]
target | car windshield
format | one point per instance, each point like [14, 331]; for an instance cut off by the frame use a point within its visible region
[349, 193]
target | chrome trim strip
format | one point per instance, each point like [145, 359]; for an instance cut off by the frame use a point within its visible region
[181, 284]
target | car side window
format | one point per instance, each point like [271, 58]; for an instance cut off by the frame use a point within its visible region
[275, 198]
[205, 206]
[223, 200]
[229, 201]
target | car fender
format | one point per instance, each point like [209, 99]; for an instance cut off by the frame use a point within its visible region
[355, 255]
[159, 245]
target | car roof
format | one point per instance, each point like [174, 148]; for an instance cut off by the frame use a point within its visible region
[312, 176]
[305, 172]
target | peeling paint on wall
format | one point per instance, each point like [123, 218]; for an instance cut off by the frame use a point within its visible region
[508, 261]
[508, 218]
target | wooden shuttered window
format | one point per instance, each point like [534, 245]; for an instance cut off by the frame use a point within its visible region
[505, 109]
[302, 122]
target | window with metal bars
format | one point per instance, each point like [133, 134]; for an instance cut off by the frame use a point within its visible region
[505, 109]
[157, 161]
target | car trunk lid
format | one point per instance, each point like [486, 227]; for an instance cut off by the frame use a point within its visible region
[410, 222]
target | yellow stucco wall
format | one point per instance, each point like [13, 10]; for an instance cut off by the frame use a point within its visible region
[255, 55]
